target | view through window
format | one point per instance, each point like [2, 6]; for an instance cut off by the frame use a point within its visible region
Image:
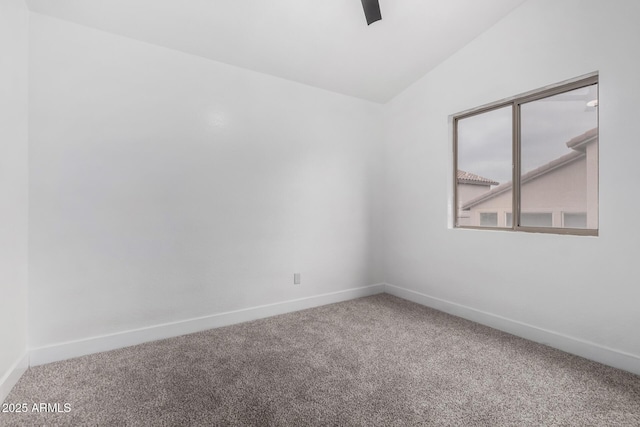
[537, 156]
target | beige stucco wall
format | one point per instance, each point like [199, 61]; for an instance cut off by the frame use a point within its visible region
[468, 192]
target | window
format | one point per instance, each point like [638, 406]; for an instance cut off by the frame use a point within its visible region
[489, 219]
[535, 155]
[575, 220]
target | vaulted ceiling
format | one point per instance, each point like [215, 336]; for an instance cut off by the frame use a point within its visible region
[322, 43]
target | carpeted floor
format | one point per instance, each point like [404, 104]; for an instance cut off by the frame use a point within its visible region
[375, 361]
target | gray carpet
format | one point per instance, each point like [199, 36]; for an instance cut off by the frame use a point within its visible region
[372, 361]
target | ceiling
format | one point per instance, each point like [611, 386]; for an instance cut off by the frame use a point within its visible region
[322, 43]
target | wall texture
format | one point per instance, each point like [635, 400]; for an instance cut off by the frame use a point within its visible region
[166, 187]
[584, 289]
[13, 191]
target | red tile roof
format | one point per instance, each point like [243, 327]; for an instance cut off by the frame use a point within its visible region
[472, 178]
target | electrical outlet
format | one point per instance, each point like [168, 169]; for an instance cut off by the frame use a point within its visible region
[296, 278]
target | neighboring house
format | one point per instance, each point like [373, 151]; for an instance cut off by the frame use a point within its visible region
[470, 186]
[561, 193]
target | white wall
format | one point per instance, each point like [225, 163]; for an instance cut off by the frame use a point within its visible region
[583, 290]
[13, 191]
[164, 186]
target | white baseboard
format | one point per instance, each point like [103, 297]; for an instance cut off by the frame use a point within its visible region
[13, 375]
[68, 350]
[588, 350]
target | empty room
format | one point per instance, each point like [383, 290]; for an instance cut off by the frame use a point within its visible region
[340, 212]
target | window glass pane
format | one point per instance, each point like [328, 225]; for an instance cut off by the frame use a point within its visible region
[508, 219]
[575, 220]
[489, 219]
[484, 147]
[536, 219]
[559, 157]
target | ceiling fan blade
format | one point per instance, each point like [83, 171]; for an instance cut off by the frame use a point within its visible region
[371, 11]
